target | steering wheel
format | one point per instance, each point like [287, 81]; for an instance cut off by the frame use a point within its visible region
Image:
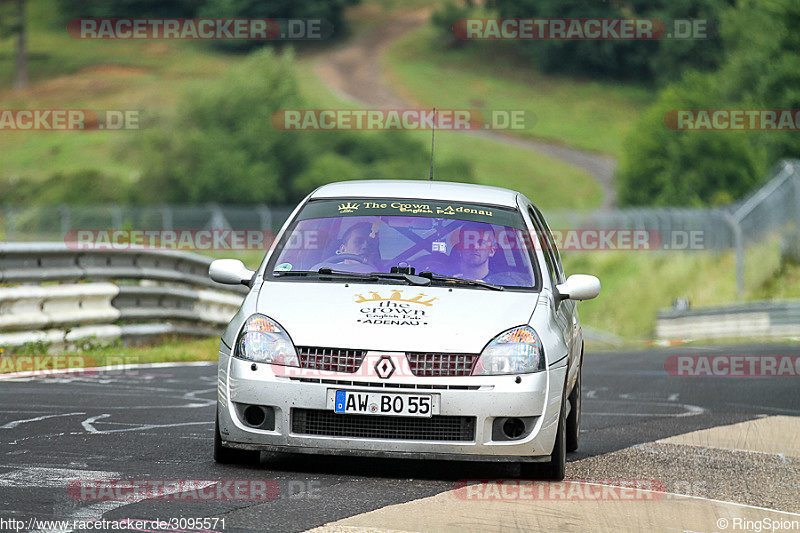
[341, 258]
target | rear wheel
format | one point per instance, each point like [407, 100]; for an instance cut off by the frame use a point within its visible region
[226, 455]
[574, 417]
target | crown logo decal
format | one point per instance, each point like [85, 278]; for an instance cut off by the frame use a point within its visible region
[395, 297]
[348, 207]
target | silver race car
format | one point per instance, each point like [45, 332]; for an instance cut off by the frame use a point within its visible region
[406, 319]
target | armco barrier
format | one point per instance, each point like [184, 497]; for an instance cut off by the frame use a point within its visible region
[55, 295]
[753, 319]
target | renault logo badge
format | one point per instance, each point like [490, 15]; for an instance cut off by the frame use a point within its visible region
[384, 367]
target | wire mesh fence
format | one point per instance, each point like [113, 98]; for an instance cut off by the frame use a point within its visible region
[53, 223]
[771, 213]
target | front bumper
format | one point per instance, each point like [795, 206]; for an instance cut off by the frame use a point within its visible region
[537, 397]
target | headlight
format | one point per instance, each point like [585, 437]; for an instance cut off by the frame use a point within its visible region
[262, 340]
[516, 351]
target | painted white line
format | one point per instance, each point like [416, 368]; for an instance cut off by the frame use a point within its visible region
[87, 424]
[110, 368]
[97, 510]
[15, 423]
[151, 426]
[689, 410]
[192, 395]
[50, 478]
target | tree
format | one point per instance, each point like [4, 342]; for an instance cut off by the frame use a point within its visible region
[14, 11]
[128, 8]
[642, 60]
[222, 146]
[761, 70]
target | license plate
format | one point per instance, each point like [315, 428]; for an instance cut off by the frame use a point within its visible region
[380, 403]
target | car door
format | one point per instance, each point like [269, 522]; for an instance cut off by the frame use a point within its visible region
[569, 308]
[565, 311]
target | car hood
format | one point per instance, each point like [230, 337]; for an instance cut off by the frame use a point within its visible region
[393, 317]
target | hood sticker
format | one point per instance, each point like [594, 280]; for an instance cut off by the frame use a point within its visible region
[394, 310]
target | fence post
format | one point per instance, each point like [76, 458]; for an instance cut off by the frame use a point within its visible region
[739, 245]
[65, 220]
[265, 216]
[116, 217]
[218, 220]
[796, 186]
[11, 223]
[166, 217]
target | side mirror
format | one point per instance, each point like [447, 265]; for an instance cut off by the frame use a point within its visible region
[230, 272]
[579, 287]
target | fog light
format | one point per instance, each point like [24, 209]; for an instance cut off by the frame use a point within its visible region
[514, 428]
[254, 415]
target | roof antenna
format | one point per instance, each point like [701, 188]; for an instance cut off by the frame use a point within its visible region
[433, 131]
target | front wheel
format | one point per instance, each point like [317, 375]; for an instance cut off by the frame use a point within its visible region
[574, 418]
[555, 468]
[225, 455]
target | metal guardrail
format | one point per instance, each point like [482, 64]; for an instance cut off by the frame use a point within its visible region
[771, 210]
[39, 262]
[754, 319]
[62, 296]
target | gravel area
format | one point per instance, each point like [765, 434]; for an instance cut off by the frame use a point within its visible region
[759, 479]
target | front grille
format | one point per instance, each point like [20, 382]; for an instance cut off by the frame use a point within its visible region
[390, 385]
[441, 364]
[330, 424]
[330, 359]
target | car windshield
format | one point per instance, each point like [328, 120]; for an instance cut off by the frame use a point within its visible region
[447, 239]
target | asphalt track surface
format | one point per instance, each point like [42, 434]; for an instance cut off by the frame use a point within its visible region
[158, 424]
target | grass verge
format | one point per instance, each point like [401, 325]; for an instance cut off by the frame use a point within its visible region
[174, 349]
[591, 115]
[637, 284]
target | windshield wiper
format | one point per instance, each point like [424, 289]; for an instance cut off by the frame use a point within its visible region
[462, 281]
[411, 278]
[341, 274]
[324, 273]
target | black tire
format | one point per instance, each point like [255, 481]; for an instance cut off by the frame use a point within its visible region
[225, 455]
[574, 417]
[555, 468]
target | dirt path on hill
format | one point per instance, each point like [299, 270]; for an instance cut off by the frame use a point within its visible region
[353, 71]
